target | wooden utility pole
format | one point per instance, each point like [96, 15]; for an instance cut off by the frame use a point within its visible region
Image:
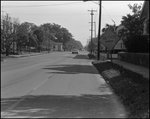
[95, 29]
[92, 28]
[99, 30]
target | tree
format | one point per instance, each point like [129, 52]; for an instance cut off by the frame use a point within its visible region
[73, 44]
[40, 37]
[79, 45]
[111, 27]
[133, 27]
[138, 44]
[9, 28]
[56, 33]
[48, 34]
[25, 36]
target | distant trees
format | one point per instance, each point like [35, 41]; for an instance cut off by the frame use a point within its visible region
[73, 44]
[39, 38]
[8, 32]
[59, 34]
[93, 45]
[27, 35]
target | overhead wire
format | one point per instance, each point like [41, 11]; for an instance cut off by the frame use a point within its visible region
[45, 14]
[95, 19]
[41, 5]
[105, 11]
[95, 14]
[108, 15]
[79, 27]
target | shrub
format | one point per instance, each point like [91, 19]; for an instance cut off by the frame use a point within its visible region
[91, 56]
[137, 44]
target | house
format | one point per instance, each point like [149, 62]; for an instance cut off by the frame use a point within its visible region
[54, 46]
[120, 45]
[145, 15]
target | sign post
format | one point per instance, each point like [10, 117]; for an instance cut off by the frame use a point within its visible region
[109, 39]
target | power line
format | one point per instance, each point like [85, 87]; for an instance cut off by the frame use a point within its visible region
[95, 2]
[79, 27]
[44, 14]
[96, 14]
[109, 15]
[43, 5]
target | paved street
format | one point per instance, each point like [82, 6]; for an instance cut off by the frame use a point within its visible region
[55, 85]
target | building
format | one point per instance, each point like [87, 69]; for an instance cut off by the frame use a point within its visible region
[56, 46]
[145, 15]
[52, 45]
[120, 45]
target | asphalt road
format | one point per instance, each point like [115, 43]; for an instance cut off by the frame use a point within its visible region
[55, 85]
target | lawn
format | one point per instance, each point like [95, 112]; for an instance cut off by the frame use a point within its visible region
[131, 88]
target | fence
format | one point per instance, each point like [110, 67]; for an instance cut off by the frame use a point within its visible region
[135, 58]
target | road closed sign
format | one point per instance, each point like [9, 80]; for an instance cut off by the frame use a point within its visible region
[109, 39]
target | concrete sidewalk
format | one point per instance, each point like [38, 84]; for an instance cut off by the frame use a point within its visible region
[135, 68]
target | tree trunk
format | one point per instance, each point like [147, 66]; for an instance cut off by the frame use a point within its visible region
[7, 51]
[39, 48]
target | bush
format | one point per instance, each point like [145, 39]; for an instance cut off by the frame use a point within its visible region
[91, 56]
[138, 44]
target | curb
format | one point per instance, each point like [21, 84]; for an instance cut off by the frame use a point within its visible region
[25, 55]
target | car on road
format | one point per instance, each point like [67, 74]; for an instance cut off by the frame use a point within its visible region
[75, 51]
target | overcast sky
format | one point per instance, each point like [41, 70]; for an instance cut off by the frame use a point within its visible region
[73, 15]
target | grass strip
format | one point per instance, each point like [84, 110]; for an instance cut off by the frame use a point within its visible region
[131, 88]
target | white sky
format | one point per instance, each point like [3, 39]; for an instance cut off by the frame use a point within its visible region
[73, 15]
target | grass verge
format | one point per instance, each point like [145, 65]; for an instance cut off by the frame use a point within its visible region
[5, 57]
[131, 88]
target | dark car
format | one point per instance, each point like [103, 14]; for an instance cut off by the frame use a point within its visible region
[75, 51]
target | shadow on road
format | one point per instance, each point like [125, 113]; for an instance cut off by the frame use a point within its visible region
[71, 69]
[80, 57]
[53, 106]
[77, 56]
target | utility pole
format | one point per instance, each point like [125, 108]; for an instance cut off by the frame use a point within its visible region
[29, 44]
[99, 30]
[92, 27]
[95, 29]
[13, 47]
[48, 45]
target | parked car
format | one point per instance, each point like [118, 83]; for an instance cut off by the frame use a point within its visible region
[75, 51]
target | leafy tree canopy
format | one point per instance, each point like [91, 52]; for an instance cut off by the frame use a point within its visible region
[28, 34]
[133, 27]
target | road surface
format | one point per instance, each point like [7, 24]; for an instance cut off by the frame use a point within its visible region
[55, 85]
